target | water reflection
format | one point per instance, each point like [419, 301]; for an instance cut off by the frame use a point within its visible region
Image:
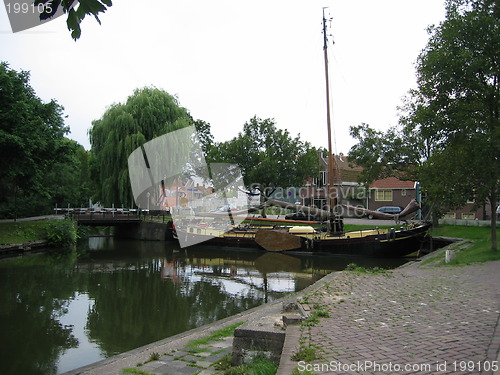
[60, 314]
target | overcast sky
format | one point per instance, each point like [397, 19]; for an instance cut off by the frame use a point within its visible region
[228, 60]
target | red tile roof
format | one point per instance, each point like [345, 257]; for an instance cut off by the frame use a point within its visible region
[392, 183]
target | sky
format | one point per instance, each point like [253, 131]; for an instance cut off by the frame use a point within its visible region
[229, 60]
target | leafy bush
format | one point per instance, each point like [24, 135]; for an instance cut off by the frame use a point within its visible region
[61, 233]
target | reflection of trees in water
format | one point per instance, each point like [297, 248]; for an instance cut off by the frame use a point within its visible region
[141, 292]
[218, 302]
[35, 299]
[134, 308]
[131, 309]
[133, 305]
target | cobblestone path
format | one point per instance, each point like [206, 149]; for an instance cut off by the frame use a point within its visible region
[413, 320]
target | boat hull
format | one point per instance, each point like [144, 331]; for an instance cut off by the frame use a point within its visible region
[392, 243]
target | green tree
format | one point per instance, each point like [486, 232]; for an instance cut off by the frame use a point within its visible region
[148, 113]
[267, 156]
[68, 182]
[203, 130]
[450, 134]
[458, 95]
[403, 152]
[31, 142]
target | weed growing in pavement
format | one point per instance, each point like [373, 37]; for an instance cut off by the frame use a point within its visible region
[136, 371]
[224, 363]
[310, 321]
[194, 350]
[218, 351]
[360, 269]
[305, 353]
[296, 371]
[314, 318]
[258, 366]
[305, 300]
[153, 357]
[193, 364]
[214, 336]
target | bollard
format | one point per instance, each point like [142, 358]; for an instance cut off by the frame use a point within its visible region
[449, 256]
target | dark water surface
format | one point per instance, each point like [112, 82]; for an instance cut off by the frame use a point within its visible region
[60, 314]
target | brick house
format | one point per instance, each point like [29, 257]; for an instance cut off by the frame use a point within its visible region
[469, 212]
[391, 192]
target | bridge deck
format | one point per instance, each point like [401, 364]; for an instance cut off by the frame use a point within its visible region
[106, 219]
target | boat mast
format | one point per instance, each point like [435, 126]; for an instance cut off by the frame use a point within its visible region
[336, 225]
[331, 181]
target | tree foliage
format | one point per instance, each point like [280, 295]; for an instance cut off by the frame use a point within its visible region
[449, 136]
[32, 146]
[148, 113]
[68, 181]
[76, 14]
[268, 156]
[459, 102]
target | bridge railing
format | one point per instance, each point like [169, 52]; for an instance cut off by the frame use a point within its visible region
[119, 214]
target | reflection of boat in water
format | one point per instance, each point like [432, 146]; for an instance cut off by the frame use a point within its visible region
[397, 241]
[274, 262]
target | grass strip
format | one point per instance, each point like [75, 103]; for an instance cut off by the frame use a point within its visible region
[24, 231]
[480, 237]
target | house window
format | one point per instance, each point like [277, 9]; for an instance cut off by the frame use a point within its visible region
[403, 192]
[384, 195]
[450, 215]
[469, 216]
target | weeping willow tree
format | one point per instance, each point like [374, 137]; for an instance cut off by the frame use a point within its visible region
[147, 114]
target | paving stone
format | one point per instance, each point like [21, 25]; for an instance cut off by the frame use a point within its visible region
[224, 343]
[176, 367]
[215, 357]
[204, 364]
[182, 369]
[208, 371]
[190, 358]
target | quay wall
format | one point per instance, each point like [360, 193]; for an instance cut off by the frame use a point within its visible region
[16, 249]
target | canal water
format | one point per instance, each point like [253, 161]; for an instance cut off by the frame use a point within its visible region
[61, 313]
